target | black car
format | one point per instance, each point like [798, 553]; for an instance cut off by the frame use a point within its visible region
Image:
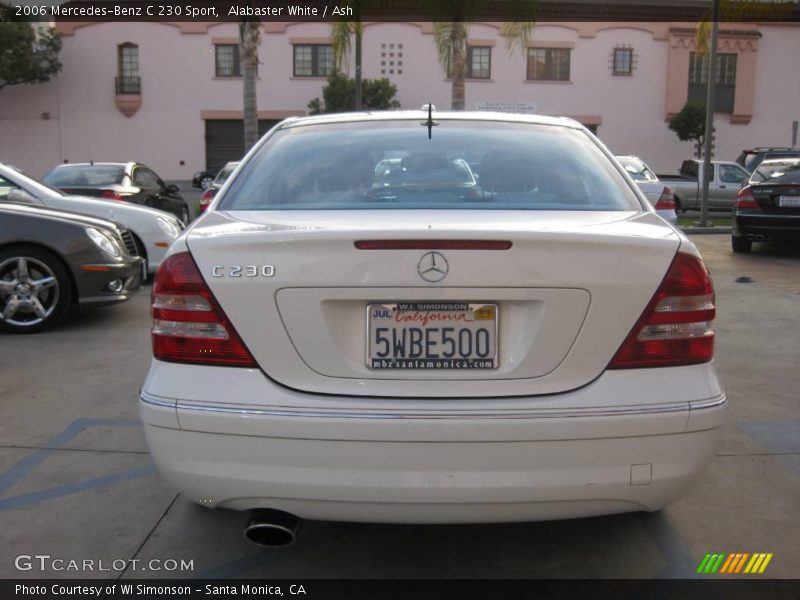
[51, 261]
[204, 179]
[128, 182]
[768, 208]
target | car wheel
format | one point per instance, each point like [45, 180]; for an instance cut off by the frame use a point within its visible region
[741, 245]
[679, 207]
[35, 289]
[206, 182]
[184, 214]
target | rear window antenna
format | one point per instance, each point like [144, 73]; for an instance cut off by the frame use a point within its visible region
[430, 123]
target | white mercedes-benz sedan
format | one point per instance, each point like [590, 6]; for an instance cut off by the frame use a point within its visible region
[410, 317]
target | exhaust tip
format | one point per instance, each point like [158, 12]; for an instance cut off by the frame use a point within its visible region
[270, 528]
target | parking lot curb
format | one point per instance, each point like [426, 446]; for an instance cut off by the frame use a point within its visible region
[693, 230]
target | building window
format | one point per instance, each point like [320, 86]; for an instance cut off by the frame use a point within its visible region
[725, 81]
[226, 60]
[623, 61]
[548, 64]
[479, 62]
[128, 80]
[313, 60]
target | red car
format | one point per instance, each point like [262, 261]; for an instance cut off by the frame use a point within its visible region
[221, 178]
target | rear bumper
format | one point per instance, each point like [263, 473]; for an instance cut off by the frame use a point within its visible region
[484, 464]
[767, 226]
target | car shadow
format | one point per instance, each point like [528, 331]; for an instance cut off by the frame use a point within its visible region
[633, 545]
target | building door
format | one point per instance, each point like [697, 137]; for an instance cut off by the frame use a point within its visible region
[225, 140]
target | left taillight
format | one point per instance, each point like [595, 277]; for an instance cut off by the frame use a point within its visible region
[111, 195]
[676, 328]
[667, 200]
[746, 199]
[189, 325]
[206, 198]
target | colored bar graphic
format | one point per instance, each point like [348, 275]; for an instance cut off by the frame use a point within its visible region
[725, 567]
[710, 564]
[717, 563]
[754, 563]
[741, 562]
[730, 564]
[765, 563]
[734, 563]
[704, 563]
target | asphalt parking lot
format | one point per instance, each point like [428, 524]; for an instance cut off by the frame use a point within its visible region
[76, 481]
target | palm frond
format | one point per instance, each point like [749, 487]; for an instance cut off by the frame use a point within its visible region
[520, 19]
[702, 35]
[341, 41]
[443, 37]
[341, 31]
[517, 34]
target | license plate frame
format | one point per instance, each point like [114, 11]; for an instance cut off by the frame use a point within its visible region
[785, 201]
[480, 312]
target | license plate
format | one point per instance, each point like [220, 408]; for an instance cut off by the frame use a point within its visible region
[793, 201]
[432, 335]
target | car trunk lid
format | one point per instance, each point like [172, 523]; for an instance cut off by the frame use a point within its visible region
[567, 292]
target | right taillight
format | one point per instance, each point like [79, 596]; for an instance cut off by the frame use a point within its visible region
[745, 198]
[667, 200]
[676, 328]
[189, 326]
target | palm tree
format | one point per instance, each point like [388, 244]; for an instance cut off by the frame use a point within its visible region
[341, 32]
[451, 29]
[249, 40]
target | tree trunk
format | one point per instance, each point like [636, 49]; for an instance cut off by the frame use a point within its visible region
[458, 66]
[249, 39]
[358, 67]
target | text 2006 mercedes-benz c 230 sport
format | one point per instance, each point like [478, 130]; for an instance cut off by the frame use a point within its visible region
[417, 317]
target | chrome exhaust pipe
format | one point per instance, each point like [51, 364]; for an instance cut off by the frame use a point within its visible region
[271, 528]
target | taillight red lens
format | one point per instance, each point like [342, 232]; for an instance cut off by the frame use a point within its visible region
[189, 326]
[745, 198]
[111, 195]
[676, 327]
[666, 201]
[206, 198]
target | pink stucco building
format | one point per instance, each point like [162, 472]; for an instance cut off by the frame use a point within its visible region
[169, 94]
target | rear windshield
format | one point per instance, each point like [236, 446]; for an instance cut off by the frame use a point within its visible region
[778, 172]
[637, 169]
[752, 160]
[394, 165]
[84, 175]
[223, 175]
[749, 159]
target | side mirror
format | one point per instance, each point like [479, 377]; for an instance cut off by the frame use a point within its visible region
[173, 189]
[22, 197]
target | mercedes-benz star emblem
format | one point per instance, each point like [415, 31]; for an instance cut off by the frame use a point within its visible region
[433, 267]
